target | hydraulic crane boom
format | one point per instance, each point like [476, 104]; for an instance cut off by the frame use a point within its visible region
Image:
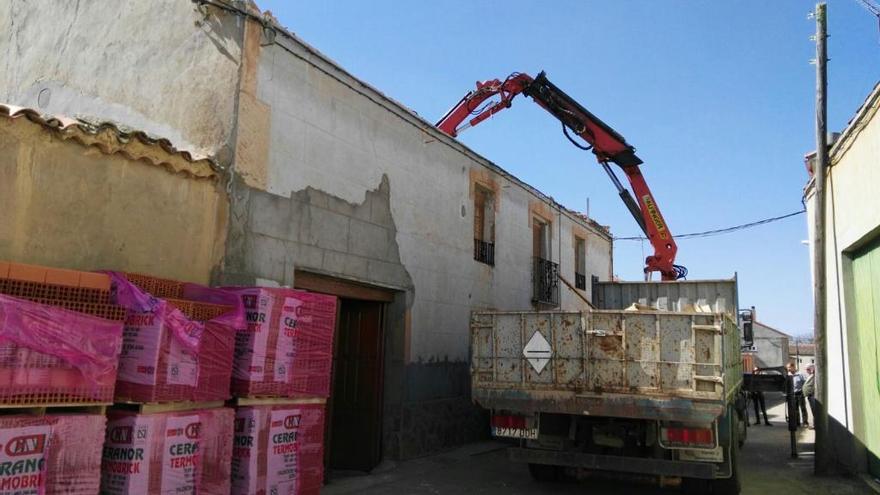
[601, 139]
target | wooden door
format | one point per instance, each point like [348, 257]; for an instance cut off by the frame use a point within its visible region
[864, 345]
[355, 443]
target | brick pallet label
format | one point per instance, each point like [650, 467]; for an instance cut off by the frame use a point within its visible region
[24, 459]
[169, 453]
[278, 449]
[50, 454]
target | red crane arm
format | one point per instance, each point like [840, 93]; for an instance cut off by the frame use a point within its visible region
[451, 123]
[600, 138]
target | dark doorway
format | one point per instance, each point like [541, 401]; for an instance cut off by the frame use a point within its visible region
[356, 411]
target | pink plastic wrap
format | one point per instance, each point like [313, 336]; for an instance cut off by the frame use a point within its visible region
[168, 453]
[168, 357]
[51, 454]
[278, 450]
[287, 348]
[52, 355]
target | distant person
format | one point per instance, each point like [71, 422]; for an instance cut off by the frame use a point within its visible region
[797, 380]
[810, 391]
[757, 397]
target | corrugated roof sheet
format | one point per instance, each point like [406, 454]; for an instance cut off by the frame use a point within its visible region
[112, 138]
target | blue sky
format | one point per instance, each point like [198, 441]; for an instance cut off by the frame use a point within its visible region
[717, 97]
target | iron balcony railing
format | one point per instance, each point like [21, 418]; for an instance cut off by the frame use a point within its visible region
[580, 281]
[546, 282]
[484, 252]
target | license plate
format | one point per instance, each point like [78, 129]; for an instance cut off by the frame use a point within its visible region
[527, 433]
[702, 455]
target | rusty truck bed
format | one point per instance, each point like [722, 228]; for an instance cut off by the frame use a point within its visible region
[638, 364]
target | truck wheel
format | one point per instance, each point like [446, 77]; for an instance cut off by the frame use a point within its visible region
[544, 472]
[742, 428]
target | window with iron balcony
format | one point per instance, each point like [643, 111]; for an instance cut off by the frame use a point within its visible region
[545, 273]
[484, 226]
[580, 263]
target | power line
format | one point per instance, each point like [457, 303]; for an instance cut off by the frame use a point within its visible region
[872, 7]
[727, 230]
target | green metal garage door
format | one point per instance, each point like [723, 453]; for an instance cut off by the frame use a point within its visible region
[864, 342]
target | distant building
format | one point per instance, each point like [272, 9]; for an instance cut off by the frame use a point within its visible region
[803, 354]
[770, 346]
[852, 279]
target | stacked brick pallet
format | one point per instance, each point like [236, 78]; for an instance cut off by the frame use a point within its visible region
[172, 357]
[60, 337]
[168, 451]
[178, 341]
[281, 380]
[170, 432]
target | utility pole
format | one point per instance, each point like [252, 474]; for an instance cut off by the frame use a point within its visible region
[824, 459]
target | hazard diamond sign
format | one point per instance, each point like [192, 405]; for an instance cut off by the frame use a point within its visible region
[538, 352]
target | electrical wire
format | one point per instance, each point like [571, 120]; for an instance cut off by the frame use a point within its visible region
[871, 7]
[727, 230]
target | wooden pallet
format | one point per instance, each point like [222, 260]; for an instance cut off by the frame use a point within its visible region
[163, 407]
[43, 409]
[275, 401]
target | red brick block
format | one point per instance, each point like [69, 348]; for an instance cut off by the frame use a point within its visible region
[58, 276]
[98, 281]
[27, 273]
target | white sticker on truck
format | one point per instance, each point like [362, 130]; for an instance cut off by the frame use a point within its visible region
[538, 351]
[702, 455]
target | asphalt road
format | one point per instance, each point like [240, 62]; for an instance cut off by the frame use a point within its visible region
[483, 468]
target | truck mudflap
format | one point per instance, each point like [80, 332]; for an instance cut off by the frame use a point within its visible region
[635, 465]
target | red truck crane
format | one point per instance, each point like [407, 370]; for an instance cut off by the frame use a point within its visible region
[600, 138]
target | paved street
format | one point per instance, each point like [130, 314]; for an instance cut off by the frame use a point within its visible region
[483, 469]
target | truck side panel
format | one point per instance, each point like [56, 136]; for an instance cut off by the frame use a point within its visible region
[641, 361]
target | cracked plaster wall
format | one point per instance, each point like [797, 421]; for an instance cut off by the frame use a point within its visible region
[349, 187]
[72, 206]
[160, 66]
[325, 136]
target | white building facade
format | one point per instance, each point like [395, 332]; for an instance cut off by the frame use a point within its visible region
[852, 258]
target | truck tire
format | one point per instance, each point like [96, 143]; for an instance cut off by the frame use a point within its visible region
[544, 472]
[742, 429]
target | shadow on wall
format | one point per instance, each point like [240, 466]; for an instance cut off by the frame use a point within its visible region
[851, 454]
[437, 413]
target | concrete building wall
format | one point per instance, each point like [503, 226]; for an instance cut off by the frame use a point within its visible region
[328, 176]
[852, 209]
[771, 346]
[353, 185]
[166, 67]
[67, 204]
